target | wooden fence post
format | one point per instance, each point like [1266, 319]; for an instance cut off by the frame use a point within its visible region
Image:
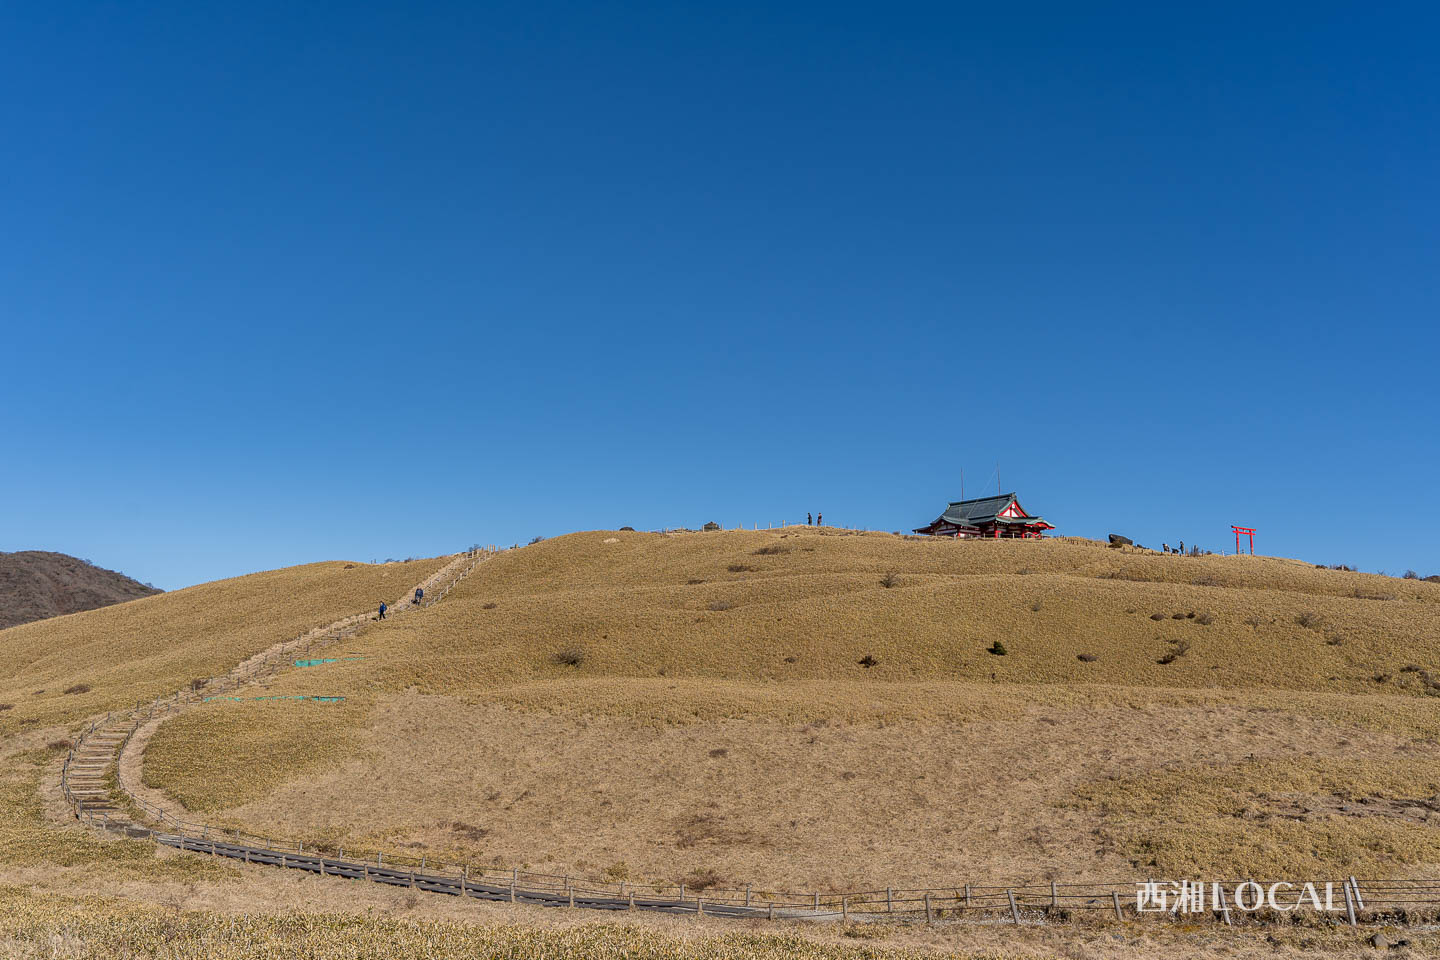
[747, 894]
[1014, 910]
[1054, 896]
[1355, 888]
[1115, 897]
[967, 894]
[845, 909]
[770, 911]
[1349, 904]
[889, 900]
[817, 901]
[927, 906]
[1224, 904]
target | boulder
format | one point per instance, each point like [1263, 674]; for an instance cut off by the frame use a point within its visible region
[1117, 540]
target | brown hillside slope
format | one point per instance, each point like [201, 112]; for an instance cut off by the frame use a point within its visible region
[56, 673]
[762, 707]
[35, 584]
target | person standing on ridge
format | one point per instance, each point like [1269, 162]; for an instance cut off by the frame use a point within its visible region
[1182, 548]
[809, 519]
[383, 608]
[819, 519]
[419, 595]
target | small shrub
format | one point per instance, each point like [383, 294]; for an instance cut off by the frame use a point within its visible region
[7, 706]
[692, 582]
[1157, 616]
[1190, 615]
[997, 649]
[199, 682]
[719, 752]
[771, 550]
[617, 871]
[1035, 607]
[700, 880]
[740, 568]
[489, 606]
[718, 605]
[868, 661]
[78, 688]
[1334, 640]
[1181, 648]
[1309, 620]
[1410, 668]
[1411, 575]
[535, 540]
[1177, 616]
[570, 656]
[891, 579]
[627, 529]
[59, 745]
[1204, 619]
[1254, 621]
[792, 659]
[1086, 657]
[1381, 678]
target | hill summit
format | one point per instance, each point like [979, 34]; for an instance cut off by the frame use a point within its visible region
[36, 584]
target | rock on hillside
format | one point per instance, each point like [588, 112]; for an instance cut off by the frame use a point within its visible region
[35, 584]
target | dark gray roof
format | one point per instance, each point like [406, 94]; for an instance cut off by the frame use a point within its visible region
[978, 510]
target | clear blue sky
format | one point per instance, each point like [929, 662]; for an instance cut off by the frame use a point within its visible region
[287, 282]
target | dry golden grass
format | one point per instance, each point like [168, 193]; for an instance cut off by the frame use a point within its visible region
[37, 925]
[134, 651]
[155, 645]
[467, 736]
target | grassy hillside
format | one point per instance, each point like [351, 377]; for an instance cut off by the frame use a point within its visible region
[35, 584]
[824, 709]
[56, 673]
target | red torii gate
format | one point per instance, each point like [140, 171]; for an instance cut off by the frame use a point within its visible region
[1247, 531]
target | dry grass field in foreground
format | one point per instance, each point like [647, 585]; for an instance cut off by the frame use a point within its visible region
[806, 709]
[101, 928]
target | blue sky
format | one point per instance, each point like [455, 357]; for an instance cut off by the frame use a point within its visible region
[281, 283]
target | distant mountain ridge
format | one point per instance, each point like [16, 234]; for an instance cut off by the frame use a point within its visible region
[36, 584]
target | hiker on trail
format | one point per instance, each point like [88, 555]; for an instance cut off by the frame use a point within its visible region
[1164, 548]
[1182, 548]
[419, 595]
[809, 519]
[383, 608]
[819, 519]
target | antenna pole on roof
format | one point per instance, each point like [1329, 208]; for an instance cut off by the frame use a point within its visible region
[962, 484]
[997, 478]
